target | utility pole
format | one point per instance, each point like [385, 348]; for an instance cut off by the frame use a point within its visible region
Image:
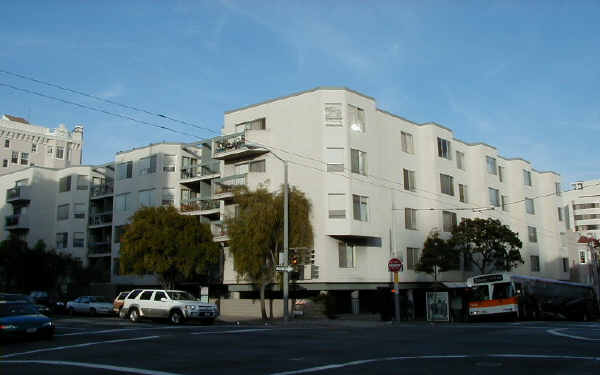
[286, 274]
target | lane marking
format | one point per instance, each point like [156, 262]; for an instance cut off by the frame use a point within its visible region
[118, 330]
[77, 346]
[232, 331]
[131, 370]
[557, 333]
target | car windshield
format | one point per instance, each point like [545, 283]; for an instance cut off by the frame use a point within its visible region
[17, 308]
[98, 299]
[180, 296]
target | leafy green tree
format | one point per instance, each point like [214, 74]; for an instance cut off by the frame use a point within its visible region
[438, 256]
[256, 234]
[174, 247]
[489, 244]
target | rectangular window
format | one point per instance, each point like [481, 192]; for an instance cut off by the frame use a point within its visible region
[565, 264]
[335, 159]
[409, 180]
[169, 162]
[526, 177]
[410, 218]
[82, 182]
[407, 143]
[449, 221]
[60, 152]
[345, 255]
[532, 234]
[337, 206]
[122, 202]
[168, 196]
[50, 150]
[444, 149]
[24, 158]
[504, 203]
[7, 143]
[78, 239]
[62, 240]
[460, 160]
[125, 170]
[494, 197]
[258, 166]
[501, 173]
[146, 198]
[64, 184]
[491, 165]
[356, 116]
[258, 124]
[462, 193]
[412, 257]
[5, 163]
[447, 184]
[581, 256]
[119, 231]
[242, 168]
[146, 165]
[529, 207]
[14, 157]
[358, 161]
[560, 214]
[62, 212]
[360, 208]
[557, 188]
[79, 210]
[535, 263]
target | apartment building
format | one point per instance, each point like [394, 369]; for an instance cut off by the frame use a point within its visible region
[24, 144]
[582, 208]
[379, 184]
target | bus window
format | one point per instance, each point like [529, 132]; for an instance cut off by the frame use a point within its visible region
[480, 293]
[502, 290]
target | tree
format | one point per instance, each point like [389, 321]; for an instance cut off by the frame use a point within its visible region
[256, 234]
[174, 247]
[488, 243]
[438, 256]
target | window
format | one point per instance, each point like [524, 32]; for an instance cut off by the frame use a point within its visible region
[345, 255]
[585, 206]
[535, 263]
[532, 234]
[501, 173]
[502, 290]
[565, 264]
[335, 159]
[410, 218]
[359, 205]
[258, 124]
[358, 162]
[444, 149]
[50, 150]
[491, 165]
[257, 166]
[78, 239]
[582, 257]
[462, 193]
[82, 182]
[409, 180]
[62, 212]
[337, 206]
[494, 197]
[580, 228]
[560, 216]
[447, 184]
[123, 202]
[529, 208]
[504, 203]
[24, 158]
[333, 114]
[7, 143]
[412, 257]
[146, 295]
[527, 177]
[356, 116]
[169, 162]
[124, 170]
[449, 221]
[146, 165]
[407, 143]
[587, 216]
[5, 163]
[146, 198]
[79, 210]
[159, 295]
[60, 152]
[62, 240]
[64, 184]
[557, 188]
[119, 231]
[168, 197]
[579, 186]
[460, 160]
[14, 158]
[241, 168]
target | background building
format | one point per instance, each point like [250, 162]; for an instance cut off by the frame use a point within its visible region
[582, 208]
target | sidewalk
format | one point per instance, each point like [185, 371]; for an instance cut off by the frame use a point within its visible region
[342, 320]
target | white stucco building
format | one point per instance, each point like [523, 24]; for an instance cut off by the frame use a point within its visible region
[582, 208]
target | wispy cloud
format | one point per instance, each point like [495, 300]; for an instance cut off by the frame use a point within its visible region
[113, 91]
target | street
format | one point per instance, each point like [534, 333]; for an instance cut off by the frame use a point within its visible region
[89, 346]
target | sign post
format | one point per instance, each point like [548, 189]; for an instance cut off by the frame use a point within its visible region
[395, 265]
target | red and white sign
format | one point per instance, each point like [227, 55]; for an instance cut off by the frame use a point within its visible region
[395, 265]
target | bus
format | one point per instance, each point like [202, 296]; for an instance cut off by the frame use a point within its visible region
[529, 298]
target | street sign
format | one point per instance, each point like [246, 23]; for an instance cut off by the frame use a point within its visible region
[284, 269]
[395, 265]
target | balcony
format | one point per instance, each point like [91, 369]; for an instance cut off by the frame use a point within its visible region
[98, 249]
[205, 207]
[18, 194]
[234, 146]
[100, 219]
[224, 187]
[219, 231]
[17, 222]
[99, 191]
[204, 171]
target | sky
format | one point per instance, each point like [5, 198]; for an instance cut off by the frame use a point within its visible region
[521, 76]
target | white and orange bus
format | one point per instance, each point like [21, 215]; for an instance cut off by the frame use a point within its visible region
[529, 298]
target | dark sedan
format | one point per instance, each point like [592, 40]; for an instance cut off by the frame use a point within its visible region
[21, 318]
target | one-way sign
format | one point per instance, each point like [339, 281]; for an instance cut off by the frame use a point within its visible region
[284, 269]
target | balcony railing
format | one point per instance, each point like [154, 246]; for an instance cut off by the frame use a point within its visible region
[230, 142]
[218, 229]
[95, 248]
[18, 193]
[101, 218]
[202, 170]
[20, 221]
[228, 184]
[199, 205]
[103, 189]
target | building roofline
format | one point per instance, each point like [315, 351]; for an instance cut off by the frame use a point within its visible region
[158, 144]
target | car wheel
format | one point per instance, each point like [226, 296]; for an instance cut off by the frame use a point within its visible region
[134, 315]
[122, 314]
[93, 311]
[176, 317]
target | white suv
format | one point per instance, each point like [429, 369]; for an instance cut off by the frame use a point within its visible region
[176, 305]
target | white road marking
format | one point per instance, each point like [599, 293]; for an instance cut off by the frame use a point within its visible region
[232, 331]
[130, 370]
[119, 330]
[77, 346]
[557, 333]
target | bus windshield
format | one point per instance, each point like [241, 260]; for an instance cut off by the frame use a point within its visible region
[503, 290]
[480, 293]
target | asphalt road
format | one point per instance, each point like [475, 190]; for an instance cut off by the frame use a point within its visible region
[111, 346]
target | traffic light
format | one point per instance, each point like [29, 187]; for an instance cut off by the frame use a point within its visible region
[293, 257]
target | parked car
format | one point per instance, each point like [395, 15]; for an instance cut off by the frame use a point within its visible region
[119, 301]
[175, 305]
[19, 317]
[40, 297]
[43, 309]
[90, 305]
